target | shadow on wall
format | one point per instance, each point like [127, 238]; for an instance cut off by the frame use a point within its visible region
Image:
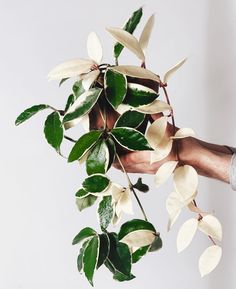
[221, 103]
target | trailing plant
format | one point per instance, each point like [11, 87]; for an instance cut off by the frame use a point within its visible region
[116, 102]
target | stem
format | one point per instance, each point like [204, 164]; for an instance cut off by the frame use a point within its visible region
[131, 187]
[69, 138]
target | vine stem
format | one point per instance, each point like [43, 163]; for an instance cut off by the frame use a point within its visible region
[131, 187]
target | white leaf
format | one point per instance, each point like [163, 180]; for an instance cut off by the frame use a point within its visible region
[183, 132]
[209, 259]
[156, 106]
[171, 71]
[125, 203]
[174, 205]
[186, 182]
[136, 71]
[122, 108]
[163, 150]
[164, 172]
[211, 226]
[146, 33]
[94, 47]
[89, 78]
[141, 87]
[128, 40]
[84, 120]
[156, 132]
[139, 238]
[186, 234]
[71, 68]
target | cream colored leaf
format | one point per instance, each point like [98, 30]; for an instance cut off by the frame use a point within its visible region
[139, 238]
[164, 172]
[156, 106]
[209, 259]
[183, 133]
[116, 219]
[156, 132]
[84, 120]
[163, 150]
[89, 78]
[171, 71]
[186, 234]
[128, 40]
[84, 158]
[146, 33]
[211, 226]
[141, 87]
[125, 203]
[122, 108]
[116, 191]
[136, 71]
[186, 182]
[94, 47]
[174, 205]
[71, 68]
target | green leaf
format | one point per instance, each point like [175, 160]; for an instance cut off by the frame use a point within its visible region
[81, 193]
[83, 203]
[80, 256]
[70, 101]
[83, 234]
[90, 258]
[98, 158]
[116, 274]
[156, 245]
[130, 138]
[83, 104]
[29, 112]
[138, 254]
[130, 26]
[131, 119]
[103, 249]
[96, 183]
[138, 95]
[141, 186]
[53, 130]
[78, 88]
[115, 87]
[134, 225]
[112, 151]
[105, 212]
[62, 81]
[119, 256]
[83, 145]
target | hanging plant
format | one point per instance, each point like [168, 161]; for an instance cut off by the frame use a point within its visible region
[116, 101]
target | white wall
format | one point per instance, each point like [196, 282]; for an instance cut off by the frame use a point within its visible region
[38, 216]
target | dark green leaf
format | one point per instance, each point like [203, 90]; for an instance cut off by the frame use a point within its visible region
[105, 212]
[138, 95]
[83, 203]
[130, 26]
[29, 112]
[112, 151]
[83, 104]
[134, 225]
[130, 138]
[141, 186]
[70, 101]
[130, 118]
[78, 88]
[53, 130]
[83, 234]
[63, 80]
[156, 244]
[104, 249]
[84, 143]
[115, 87]
[90, 258]
[81, 193]
[80, 256]
[98, 158]
[122, 277]
[138, 254]
[96, 183]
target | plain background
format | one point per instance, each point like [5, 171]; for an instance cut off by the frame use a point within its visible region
[38, 216]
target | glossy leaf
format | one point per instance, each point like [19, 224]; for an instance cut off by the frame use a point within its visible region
[90, 78]
[172, 70]
[83, 145]
[71, 99]
[105, 212]
[78, 88]
[53, 130]
[81, 193]
[94, 47]
[138, 95]
[90, 258]
[156, 106]
[123, 201]
[186, 234]
[211, 226]
[139, 238]
[183, 133]
[164, 172]
[115, 84]
[141, 186]
[209, 259]
[156, 132]
[80, 256]
[112, 151]
[86, 202]
[146, 33]
[131, 119]
[130, 138]
[83, 104]
[29, 112]
[103, 249]
[63, 80]
[96, 183]
[174, 205]
[83, 234]
[156, 244]
[138, 254]
[129, 26]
